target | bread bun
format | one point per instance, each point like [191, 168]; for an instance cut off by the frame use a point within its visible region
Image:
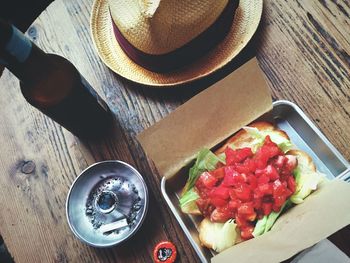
[243, 139]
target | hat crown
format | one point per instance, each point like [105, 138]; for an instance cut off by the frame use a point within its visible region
[161, 26]
[149, 7]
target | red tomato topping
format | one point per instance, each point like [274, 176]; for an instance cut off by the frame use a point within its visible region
[237, 156]
[232, 177]
[218, 173]
[247, 232]
[248, 187]
[221, 214]
[245, 209]
[206, 180]
[220, 192]
[243, 192]
[218, 202]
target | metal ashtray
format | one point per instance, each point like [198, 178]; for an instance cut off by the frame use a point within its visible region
[107, 203]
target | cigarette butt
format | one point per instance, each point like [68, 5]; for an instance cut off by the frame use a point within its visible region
[114, 226]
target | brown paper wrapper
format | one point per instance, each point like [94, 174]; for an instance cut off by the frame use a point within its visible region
[208, 119]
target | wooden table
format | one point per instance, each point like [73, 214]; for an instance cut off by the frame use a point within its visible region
[302, 46]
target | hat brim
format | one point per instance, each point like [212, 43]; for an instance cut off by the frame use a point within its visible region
[246, 20]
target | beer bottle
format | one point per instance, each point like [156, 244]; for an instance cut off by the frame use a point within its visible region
[53, 85]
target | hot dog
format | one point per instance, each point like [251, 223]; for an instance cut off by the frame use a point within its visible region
[242, 187]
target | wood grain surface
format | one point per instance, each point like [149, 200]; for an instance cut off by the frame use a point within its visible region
[303, 48]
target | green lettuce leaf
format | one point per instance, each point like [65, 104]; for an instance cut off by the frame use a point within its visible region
[307, 181]
[258, 136]
[259, 228]
[188, 201]
[220, 235]
[265, 224]
[206, 161]
[226, 237]
[271, 219]
[285, 146]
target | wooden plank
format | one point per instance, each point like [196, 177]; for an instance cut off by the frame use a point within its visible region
[304, 52]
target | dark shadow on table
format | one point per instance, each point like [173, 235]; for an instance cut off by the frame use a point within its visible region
[5, 256]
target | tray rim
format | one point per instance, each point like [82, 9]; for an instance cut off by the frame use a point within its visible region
[315, 129]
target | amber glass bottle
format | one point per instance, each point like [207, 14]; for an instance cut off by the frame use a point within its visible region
[53, 85]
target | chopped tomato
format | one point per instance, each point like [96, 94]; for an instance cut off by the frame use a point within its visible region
[207, 180]
[232, 177]
[246, 209]
[267, 151]
[204, 207]
[252, 181]
[266, 189]
[220, 192]
[276, 208]
[241, 221]
[266, 207]
[279, 201]
[248, 187]
[263, 179]
[243, 192]
[270, 171]
[220, 215]
[257, 203]
[218, 202]
[247, 232]
[257, 193]
[250, 163]
[234, 204]
[251, 217]
[279, 161]
[291, 183]
[237, 156]
[291, 163]
[218, 173]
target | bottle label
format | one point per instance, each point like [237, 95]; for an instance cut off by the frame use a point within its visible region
[19, 46]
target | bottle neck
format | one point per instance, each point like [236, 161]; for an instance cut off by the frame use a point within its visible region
[21, 56]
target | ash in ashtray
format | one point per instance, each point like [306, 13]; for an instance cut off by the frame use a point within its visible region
[112, 200]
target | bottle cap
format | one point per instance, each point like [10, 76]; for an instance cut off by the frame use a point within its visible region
[164, 252]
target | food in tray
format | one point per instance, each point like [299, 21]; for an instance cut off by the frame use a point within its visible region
[243, 187]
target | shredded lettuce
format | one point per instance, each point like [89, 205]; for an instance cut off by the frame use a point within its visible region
[206, 161]
[188, 201]
[271, 219]
[220, 235]
[307, 181]
[259, 228]
[285, 146]
[264, 224]
[226, 237]
[259, 136]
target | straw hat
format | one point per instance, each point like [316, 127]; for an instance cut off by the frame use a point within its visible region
[170, 42]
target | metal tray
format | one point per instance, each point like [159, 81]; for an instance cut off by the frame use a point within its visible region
[302, 132]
